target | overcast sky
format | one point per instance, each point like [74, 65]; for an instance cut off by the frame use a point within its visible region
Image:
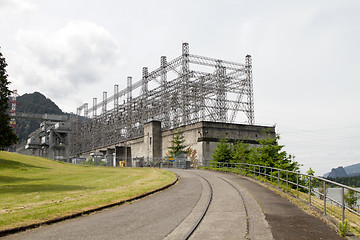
[306, 58]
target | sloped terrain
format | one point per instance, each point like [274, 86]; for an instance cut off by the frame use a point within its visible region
[34, 189]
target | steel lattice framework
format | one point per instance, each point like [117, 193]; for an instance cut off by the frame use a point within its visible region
[183, 91]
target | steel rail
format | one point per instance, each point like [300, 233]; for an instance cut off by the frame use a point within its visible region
[249, 222]
[192, 230]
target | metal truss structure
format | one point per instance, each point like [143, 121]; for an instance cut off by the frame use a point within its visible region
[182, 91]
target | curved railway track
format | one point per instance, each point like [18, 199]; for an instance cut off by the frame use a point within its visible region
[250, 226]
[201, 220]
[189, 233]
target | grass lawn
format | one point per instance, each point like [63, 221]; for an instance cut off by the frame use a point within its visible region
[34, 189]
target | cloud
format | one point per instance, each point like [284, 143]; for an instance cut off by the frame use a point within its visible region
[15, 6]
[78, 55]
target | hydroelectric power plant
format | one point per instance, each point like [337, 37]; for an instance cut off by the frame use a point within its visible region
[208, 99]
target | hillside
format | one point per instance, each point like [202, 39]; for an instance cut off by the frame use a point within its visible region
[349, 181]
[33, 103]
[34, 189]
[341, 172]
[353, 170]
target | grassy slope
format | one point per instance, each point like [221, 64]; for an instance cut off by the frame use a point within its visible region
[34, 189]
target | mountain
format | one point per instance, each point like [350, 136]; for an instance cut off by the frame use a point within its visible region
[33, 103]
[36, 103]
[353, 170]
[337, 173]
[350, 171]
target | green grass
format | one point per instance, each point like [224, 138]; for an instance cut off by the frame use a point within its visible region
[34, 189]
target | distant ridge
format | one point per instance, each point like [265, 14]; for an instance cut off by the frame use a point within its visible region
[37, 103]
[350, 171]
[33, 103]
[337, 173]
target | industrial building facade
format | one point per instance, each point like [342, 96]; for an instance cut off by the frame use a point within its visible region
[201, 136]
[52, 139]
[206, 98]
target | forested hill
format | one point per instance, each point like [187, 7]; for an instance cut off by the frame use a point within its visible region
[339, 172]
[33, 103]
[349, 181]
[36, 103]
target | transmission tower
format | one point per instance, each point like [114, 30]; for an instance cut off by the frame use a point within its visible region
[13, 102]
[183, 91]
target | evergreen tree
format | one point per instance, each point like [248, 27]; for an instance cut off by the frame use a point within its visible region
[223, 152]
[7, 137]
[241, 152]
[270, 154]
[177, 143]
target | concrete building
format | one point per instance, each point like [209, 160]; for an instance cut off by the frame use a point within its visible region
[51, 140]
[201, 136]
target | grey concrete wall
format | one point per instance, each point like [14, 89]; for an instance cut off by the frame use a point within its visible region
[215, 131]
[191, 134]
[201, 136]
[152, 139]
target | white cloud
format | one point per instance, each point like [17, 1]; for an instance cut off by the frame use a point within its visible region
[61, 62]
[15, 6]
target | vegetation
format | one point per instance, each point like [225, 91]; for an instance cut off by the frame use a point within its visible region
[301, 199]
[223, 153]
[350, 198]
[349, 181]
[269, 154]
[192, 156]
[7, 137]
[177, 143]
[35, 103]
[34, 189]
[344, 228]
[306, 180]
[91, 162]
[241, 153]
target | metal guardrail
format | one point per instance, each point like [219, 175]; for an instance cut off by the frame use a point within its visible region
[285, 176]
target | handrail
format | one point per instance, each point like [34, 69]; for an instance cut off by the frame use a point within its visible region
[265, 171]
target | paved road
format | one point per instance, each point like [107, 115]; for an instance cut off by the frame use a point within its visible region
[171, 213]
[286, 220]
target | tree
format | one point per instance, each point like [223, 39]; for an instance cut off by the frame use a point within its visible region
[223, 152]
[350, 198]
[7, 136]
[270, 154]
[241, 152]
[192, 156]
[310, 172]
[177, 143]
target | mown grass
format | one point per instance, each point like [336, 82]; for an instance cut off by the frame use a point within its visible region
[302, 201]
[34, 189]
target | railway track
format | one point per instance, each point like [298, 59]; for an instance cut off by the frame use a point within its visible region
[202, 222]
